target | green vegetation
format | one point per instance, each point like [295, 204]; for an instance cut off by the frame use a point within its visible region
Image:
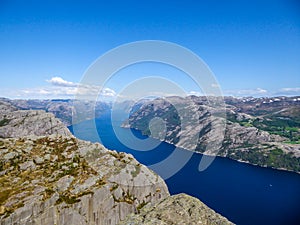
[288, 127]
[292, 142]
[4, 122]
[59, 163]
[246, 124]
[67, 199]
[285, 127]
[169, 115]
[277, 118]
[4, 195]
[1, 165]
[101, 181]
[126, 197]
[140, 206]
[136, 171]
[73, 171]
[48, 193]
[114, 187]
[275, 158]
[117, 155]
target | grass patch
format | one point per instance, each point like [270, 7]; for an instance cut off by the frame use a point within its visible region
[114, 187]
[140, 206]
[4, 122]
[292, 142]
[67, 199]
[48, 193]
[4, 195]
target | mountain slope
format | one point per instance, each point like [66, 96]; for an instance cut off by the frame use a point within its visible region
[238, 135]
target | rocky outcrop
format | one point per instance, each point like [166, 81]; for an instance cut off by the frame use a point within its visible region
[61, 180]
[177, 209]
[21, 123]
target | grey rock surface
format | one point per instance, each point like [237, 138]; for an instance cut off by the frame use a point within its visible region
[21, 123]
[177, 210]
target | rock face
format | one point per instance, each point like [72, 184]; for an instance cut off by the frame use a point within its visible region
[194, 124]
[177, 209]
[21, 123]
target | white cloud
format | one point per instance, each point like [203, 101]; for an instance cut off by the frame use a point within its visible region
[214, 85]
[259, 92]
[44, 92]
[58, 81]
[60, 88]
[58, 92]
[197, 93]
[247, 92]
[107, 92]
[70, 88]
[288, 91]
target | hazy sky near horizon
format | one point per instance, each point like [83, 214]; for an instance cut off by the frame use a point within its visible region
[252, 47]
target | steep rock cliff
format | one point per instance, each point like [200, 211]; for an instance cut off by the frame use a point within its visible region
[61, 180]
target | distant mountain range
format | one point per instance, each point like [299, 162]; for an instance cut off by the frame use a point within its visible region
[61, 108]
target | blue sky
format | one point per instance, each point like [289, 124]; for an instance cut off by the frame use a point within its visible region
[253, 47]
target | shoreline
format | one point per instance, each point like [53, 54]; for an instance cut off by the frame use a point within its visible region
[237, 160]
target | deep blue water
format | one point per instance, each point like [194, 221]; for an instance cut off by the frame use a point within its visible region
[243, 193]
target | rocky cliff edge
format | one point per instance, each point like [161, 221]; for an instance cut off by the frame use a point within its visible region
[47, 176]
